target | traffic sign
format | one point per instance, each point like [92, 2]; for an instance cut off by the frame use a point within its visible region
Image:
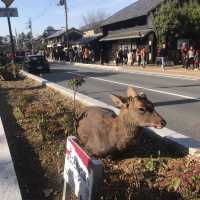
[7, 2]
[8, 12]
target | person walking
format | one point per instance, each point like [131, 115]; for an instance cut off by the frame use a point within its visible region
[163, 56]
[143, 56]
[86, 55]
[184, 57]
[197, 60]
[191, 57]
[125, 56]
[138, 56]
[120, 56]
[130, 58]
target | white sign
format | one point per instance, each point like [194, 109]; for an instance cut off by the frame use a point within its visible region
[81, 172]
[8, 12]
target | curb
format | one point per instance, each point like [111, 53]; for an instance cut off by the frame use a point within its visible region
[187, 144]
[131, 71]
[9, 187]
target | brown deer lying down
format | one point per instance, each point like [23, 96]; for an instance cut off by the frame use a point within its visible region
[102, 132]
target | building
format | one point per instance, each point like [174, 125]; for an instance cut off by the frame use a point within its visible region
[130, 28]
[63, 38]
[4, 40]
[5, 43]
[91, 35]
[60, 40]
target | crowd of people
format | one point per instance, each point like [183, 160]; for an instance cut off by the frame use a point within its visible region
[130, 57]
[83, 55]
[190, 58]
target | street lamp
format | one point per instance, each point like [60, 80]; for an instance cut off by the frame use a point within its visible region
[7, 4]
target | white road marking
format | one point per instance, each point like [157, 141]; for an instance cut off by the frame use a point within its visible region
[183, 77]
[192, 145]
[122, 70]
[137, 86]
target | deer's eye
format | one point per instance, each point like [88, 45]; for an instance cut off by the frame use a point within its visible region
[142, 110]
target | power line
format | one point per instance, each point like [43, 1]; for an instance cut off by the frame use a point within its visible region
[44, 11]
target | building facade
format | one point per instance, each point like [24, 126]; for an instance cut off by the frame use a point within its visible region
[131, 28]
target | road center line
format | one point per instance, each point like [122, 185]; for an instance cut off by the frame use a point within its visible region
[136, 86]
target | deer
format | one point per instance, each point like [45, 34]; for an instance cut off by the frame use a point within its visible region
[102, 132]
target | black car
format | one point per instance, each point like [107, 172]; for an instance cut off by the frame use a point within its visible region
[36, 64]
[20, 56]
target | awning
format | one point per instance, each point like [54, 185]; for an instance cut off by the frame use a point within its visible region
[87, 40]
[129, 33]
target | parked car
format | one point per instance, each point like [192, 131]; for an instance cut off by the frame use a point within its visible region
[36, 64]
[20, 56]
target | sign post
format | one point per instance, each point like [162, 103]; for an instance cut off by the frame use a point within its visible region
[81, 173]
[7, 4]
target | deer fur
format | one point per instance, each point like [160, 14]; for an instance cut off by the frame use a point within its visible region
[102, 132]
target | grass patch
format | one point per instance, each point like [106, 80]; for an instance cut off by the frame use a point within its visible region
[38, 120]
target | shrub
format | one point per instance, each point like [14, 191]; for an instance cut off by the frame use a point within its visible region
[9, 72]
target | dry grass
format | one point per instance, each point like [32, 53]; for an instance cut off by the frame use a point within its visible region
[37, 122]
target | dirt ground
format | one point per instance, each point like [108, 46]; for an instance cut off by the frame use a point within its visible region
[37, 122]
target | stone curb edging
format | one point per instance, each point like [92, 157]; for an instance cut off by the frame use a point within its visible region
[124, 70]
[9, 187]
[187, 144]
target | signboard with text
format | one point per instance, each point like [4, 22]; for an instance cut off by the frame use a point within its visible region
[8, 12]
[81, 173]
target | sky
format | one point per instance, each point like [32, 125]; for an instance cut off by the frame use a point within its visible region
[46, 12]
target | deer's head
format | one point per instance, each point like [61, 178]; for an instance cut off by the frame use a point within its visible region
[137, 109]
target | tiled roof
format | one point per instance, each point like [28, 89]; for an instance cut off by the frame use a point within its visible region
[56, 34]
[137, 9]
[61, 32]
[135, 32]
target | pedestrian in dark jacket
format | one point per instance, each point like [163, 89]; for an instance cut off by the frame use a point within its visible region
[163, 56]
[197, 59]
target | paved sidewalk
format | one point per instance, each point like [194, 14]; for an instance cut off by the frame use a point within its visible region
[9, 188]
[174, 71]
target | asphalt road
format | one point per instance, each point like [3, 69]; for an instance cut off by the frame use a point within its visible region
[176, 99]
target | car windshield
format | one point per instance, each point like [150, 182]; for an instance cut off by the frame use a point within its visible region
[20, 53]
[36, 58]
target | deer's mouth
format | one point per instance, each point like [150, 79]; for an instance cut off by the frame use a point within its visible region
[156, 125]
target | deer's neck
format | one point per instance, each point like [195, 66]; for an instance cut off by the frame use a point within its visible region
[124, 131]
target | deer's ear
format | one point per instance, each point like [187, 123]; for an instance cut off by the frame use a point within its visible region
[131, 92]
[119, 101]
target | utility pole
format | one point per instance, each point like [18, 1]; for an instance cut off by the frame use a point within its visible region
[64, 3]
[31, 32]
[66, 15]
[11, 40]
[66, 21]
[16, 39]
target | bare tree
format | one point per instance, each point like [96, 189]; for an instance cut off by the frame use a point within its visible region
[91, 19]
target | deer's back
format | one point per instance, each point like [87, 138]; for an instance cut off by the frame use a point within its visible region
[94, 127]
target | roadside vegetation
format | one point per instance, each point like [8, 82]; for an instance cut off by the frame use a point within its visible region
[172, 21]
[38, 120]
[9, 71]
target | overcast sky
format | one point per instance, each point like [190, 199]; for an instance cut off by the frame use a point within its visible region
[46, 12]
